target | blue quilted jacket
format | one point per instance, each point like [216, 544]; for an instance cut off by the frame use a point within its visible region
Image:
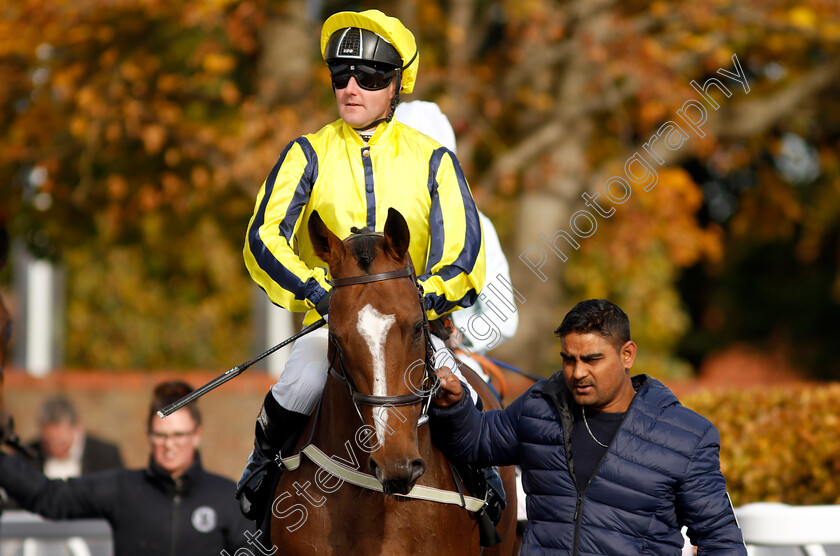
[661, 472]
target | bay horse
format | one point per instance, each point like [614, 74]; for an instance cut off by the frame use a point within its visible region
[370, 421]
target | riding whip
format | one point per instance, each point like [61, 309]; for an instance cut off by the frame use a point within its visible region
[234, 372]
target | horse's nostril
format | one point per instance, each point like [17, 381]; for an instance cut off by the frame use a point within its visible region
[373, 468]
[418, 467]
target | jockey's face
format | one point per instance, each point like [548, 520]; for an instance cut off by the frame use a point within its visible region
[360, 108]
[597, 373]
[173, 442]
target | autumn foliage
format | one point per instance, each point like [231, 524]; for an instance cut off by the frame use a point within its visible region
[126, 126]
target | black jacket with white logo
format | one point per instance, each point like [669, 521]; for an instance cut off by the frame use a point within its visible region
[150, 513]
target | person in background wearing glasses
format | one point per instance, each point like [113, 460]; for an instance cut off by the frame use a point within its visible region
[173, 506]
[352, 171]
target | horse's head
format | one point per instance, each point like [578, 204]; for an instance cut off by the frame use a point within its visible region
[378, 342]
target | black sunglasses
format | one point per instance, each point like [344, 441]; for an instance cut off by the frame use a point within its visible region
[370, 78]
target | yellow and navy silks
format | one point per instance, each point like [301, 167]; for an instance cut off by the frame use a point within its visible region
[351, 184]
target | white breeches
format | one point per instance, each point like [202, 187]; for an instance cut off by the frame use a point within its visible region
[302, 382]
[300, 385]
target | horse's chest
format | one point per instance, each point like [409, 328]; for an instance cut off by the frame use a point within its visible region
[315, 513]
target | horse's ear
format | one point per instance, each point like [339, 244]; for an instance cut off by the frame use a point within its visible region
[326, 244]
[397, 236]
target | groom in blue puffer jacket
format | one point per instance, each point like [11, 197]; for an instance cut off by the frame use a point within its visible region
[612, 464]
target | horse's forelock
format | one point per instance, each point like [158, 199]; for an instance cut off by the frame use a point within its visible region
[361, 231]
[365, 248]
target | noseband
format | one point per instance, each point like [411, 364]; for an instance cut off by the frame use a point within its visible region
[430, 380]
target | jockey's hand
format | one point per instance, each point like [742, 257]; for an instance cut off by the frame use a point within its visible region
[450, 391]
[323, 305]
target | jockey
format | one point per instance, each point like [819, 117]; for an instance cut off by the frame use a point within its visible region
[352, 171]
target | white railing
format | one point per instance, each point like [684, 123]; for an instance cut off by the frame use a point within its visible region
[808, 528]
[26, 534]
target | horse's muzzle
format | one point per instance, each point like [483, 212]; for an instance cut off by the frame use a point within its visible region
[400, 479]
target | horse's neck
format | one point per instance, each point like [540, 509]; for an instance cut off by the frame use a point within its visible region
[335, 429]
[337, 418]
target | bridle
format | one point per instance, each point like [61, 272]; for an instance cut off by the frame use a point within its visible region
[430, 382]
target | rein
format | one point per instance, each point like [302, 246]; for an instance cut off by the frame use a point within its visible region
[430, 379]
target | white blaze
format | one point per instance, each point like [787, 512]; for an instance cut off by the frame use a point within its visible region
[374, 326]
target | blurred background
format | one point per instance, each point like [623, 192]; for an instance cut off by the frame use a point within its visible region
[135, 135]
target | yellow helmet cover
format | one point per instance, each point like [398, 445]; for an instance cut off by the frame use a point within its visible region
[389, 28]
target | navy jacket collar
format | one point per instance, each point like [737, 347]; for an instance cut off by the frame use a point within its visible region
[164, 481]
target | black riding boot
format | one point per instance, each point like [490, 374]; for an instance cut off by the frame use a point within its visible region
[276, 432]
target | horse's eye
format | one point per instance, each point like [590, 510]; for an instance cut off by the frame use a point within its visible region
[418, 329]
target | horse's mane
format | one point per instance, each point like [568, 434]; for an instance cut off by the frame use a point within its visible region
[365, 247]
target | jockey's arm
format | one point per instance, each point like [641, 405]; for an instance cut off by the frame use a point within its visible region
[455, 267]
[269, 253]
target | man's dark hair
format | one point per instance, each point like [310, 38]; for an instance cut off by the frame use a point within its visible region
[597, 316]
[169, 392]
[58, 409]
